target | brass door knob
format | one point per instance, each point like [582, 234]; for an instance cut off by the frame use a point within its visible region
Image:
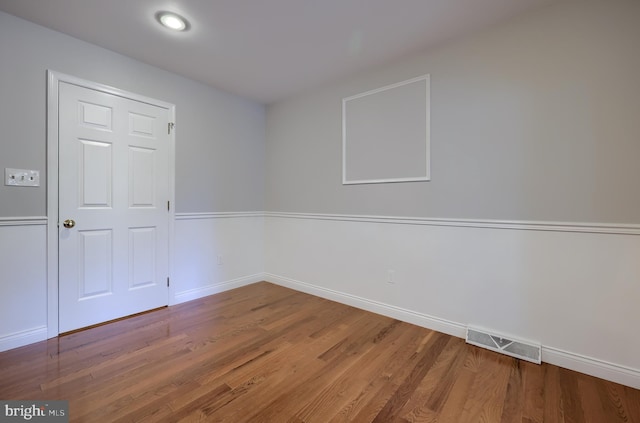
[69, 223]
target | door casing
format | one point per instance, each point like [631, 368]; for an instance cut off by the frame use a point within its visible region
[53, 80]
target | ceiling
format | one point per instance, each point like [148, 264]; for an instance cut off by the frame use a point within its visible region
[268, 50]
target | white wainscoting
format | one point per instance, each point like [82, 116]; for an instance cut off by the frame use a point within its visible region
[214, 252]
[23, 281]
[574, 288]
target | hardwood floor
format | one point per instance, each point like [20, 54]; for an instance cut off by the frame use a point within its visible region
[264, 353]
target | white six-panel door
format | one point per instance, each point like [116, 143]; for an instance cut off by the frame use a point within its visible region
[114, 185]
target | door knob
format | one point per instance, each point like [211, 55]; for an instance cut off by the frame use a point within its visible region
[69, 223]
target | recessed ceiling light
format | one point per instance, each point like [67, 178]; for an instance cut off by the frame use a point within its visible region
[172, 21]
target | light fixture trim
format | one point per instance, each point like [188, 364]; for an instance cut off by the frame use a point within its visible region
[172, 21]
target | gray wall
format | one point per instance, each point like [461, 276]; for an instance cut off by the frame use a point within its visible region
[533, 119]
[219, 139]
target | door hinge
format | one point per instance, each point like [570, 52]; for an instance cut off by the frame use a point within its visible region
[168, 205]
[167, 280]
[170, 126]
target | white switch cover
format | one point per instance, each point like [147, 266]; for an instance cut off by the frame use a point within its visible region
[21, 177]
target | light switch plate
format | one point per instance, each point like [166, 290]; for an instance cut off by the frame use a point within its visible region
[21, 177]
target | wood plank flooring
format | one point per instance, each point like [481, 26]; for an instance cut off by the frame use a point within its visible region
[263, 353]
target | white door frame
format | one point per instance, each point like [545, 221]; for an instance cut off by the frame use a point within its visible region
[53, 81]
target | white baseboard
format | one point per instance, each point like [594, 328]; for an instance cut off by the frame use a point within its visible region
[587, 365]
[591, 366]
[193, 294]
[22, 338]
[419, 319]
